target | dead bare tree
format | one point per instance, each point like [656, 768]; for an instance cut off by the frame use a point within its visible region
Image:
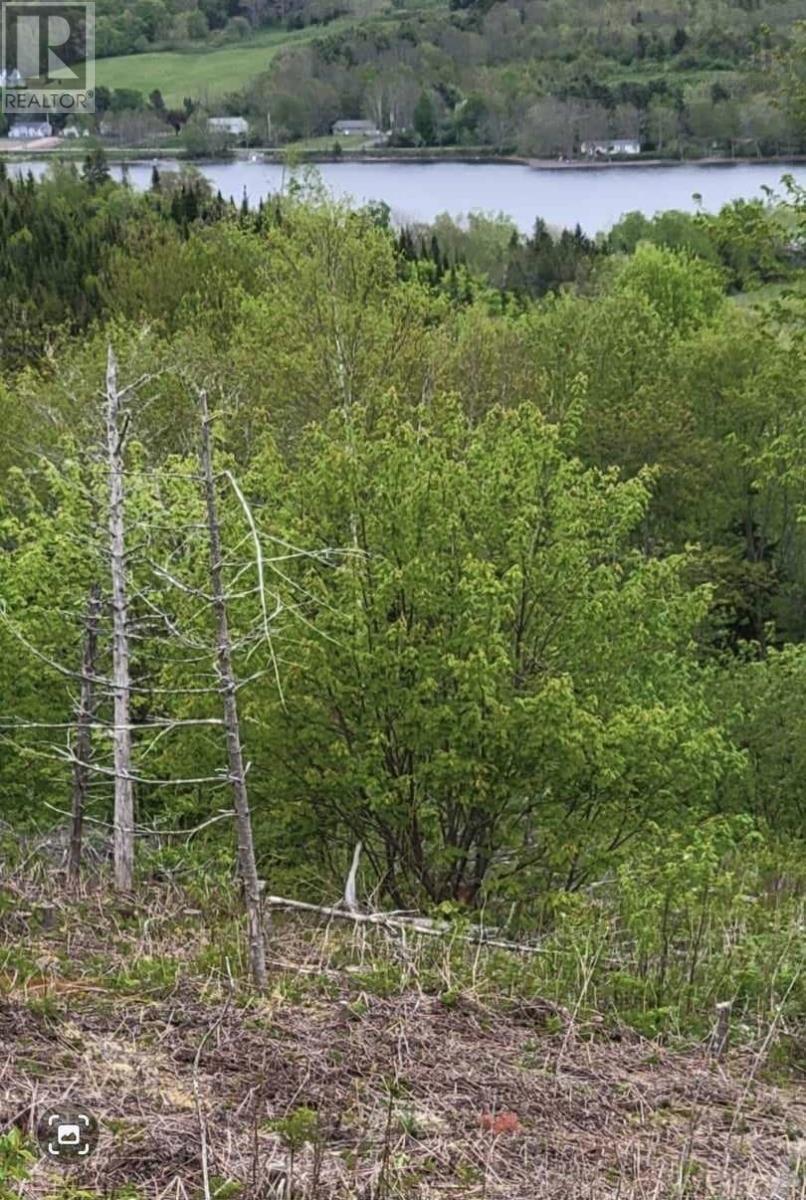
[161, 583]
[121, 682]
[83, 745]
[227, 686]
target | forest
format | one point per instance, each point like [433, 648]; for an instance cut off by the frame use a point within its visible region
[538, 78]
[465, 566]
[535, 78]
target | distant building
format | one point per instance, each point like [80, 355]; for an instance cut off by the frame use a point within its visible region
[355, 128]
[610, 147]
[11, 79]
[234, 126]
[29, 130]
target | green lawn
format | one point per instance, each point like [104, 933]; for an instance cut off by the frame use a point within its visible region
[202, 73]
[326, 143]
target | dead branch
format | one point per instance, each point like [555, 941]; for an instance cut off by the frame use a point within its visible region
[145, 831]
[421, 925]
[350, 893]
[83, 736]
[57, 752]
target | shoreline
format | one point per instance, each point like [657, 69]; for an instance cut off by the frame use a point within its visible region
[124, 154]
[542, 164]
[273, 154]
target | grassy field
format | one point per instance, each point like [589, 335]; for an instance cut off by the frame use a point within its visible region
[325, 144]
[205, 72]
[202, 73]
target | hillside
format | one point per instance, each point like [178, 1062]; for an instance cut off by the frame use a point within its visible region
[402, 698]
[536, 77]
[204, 73]
[543, 79]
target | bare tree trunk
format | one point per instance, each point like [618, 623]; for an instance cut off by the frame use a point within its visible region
[124, 791]
[83, 747]
[226, 677]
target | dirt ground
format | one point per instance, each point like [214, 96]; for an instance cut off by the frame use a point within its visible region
[9, 145]
[326, 1089]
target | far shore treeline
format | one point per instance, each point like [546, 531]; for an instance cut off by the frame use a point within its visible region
[535, 78]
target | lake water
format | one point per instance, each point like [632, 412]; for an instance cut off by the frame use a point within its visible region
[592, 197]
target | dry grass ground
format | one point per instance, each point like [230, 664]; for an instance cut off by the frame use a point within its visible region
[16, 146]
[351, 1079]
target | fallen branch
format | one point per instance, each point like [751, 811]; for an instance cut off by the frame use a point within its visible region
[421, 925]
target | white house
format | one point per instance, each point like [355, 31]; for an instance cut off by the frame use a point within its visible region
[235, 126]
[11, 79]
[29, 130]
[353, 128]
[606, 149]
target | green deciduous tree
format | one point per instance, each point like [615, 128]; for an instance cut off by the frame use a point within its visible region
[496, 692]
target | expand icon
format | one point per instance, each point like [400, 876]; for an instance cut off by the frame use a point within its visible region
[67, 1132]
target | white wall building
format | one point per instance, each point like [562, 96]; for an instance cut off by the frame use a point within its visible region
[611, 146]
[29, 130]
[236, 126]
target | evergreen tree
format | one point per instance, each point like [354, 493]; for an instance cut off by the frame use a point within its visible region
[425, 122]
[96, 168]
